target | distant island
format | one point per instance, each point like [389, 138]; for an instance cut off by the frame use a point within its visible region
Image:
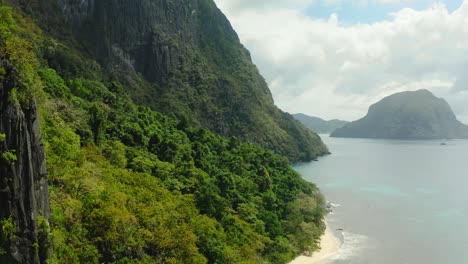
[318, 125]
[407, 115]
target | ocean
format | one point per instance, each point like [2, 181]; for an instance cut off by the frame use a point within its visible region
[398, 202]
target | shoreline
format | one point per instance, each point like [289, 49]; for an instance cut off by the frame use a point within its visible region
[329, 243]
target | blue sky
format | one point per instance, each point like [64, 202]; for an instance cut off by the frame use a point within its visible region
[353, 11]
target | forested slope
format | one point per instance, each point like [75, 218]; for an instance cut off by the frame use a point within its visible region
[130, 185]
[181, 58]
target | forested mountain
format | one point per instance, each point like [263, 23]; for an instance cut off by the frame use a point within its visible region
[318, 125]
[181, 58]
[128, 184]
[407, 115]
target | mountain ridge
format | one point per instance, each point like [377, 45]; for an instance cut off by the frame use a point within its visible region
[319, 125]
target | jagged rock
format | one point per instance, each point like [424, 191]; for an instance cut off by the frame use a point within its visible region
[23, 183]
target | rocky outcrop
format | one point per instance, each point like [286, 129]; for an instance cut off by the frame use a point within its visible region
[407, 115]
[23, 179]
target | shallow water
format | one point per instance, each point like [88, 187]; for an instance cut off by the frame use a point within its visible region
[401, 202]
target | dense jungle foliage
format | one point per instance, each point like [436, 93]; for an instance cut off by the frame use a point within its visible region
[130, 185]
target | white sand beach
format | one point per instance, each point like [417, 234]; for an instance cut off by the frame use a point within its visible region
[329, 243]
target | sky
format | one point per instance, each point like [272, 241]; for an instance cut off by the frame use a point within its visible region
[334, 58]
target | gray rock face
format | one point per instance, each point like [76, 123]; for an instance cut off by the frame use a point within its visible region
[76, 11]
[407, 115]
[150, 36]
[23, 183]
[145, 34]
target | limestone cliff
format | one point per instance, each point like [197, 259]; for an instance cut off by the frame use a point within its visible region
[181, 58]
[23, 176]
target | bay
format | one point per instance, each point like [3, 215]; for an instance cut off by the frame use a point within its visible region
[396, 201]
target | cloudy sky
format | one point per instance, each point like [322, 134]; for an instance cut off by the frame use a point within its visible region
[334, 58]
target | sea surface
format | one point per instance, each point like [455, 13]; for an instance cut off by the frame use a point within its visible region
[398, 202]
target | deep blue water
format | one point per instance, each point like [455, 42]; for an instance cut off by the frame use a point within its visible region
[400, 202]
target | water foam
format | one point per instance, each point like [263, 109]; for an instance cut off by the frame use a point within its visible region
[353, 244]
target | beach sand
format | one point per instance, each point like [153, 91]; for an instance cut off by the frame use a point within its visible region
[329, 243]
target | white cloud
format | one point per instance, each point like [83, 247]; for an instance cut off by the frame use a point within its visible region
[231, 6]
[393, 1]
[324, 68]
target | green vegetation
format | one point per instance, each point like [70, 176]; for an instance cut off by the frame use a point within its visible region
[20, 52]
[8, 156]
[7, 232]
[130, 185]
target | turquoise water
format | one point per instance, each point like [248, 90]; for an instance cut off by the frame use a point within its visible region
[399, 202]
